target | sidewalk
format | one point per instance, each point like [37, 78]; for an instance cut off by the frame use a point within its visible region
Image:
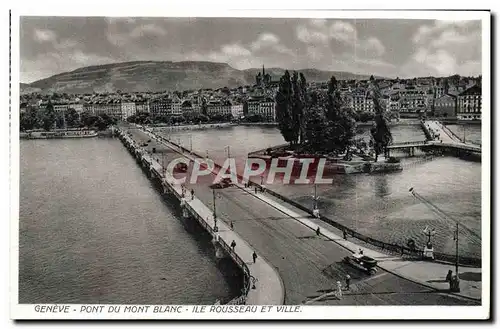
[426, 273]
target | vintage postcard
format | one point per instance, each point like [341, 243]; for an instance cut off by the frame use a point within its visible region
[250, 164]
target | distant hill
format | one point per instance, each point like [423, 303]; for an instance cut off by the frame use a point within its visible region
[166, 75]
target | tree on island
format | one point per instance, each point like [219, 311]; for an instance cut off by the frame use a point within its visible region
[341, 126]
[316, 120]
[381, 133]
[290, 105]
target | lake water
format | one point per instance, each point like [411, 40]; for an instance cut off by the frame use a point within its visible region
[92, 229]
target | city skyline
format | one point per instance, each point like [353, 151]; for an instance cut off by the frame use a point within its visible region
[384, 47]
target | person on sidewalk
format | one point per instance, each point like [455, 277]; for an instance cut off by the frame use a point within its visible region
[345, 234]
[360, 251]
[254, 256]
[233, 244]
[232, 226]
[339, 290]
[192, 194]
[347, 281]
[318, 231]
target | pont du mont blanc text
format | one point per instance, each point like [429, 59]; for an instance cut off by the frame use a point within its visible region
[96, 309]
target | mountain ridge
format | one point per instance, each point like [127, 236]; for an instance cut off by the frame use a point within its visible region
[143, 76]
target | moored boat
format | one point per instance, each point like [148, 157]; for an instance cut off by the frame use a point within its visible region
[56, 134]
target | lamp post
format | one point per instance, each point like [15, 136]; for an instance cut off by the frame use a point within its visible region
[315, 204]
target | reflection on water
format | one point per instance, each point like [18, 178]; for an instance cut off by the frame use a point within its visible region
[378, 205]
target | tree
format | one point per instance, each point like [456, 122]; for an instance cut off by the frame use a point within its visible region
[72, 117]
[315, 127]
[341, 125]
[60, 120]
[48, 117]
[29, 120]
[381, 133]
[283, 108]
[203, 106]
[245, 108]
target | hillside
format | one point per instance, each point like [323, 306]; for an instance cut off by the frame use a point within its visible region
[158, 76]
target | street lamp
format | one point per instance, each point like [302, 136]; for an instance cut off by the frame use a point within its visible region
[315, 204]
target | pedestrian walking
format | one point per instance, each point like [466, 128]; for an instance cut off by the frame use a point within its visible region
[345, 234]
[233, 244]
[347, 281]
[254, 256]
[232, 226]
[192, 194]
[360, 251]
[255, 189]
[318, 231]
[339, 290]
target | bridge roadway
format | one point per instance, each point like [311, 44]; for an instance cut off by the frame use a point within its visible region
[309, 265]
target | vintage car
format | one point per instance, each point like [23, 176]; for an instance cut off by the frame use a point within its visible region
[225, 182]
[361, 262]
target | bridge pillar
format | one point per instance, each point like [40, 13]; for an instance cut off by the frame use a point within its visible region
[185, 212]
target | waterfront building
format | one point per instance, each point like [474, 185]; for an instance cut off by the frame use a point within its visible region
[469, 104]
[160, 106]
[218, 107]
[253, 105]
[141, 106]
[176, 108]
[128, 109]
[60, 107]
[412, 100]
[445, 106]
[237, 110]
[362, 102]
[110, 107]
[267, 110]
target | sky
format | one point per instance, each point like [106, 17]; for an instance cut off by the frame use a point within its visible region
[383, 47]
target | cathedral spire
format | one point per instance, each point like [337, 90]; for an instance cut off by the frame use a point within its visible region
[263, 70]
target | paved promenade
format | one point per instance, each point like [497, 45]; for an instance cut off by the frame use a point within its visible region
[309, 265]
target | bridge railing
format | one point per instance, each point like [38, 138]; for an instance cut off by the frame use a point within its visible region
[409, 143]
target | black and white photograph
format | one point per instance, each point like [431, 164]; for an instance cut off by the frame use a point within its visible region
[263, 165]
